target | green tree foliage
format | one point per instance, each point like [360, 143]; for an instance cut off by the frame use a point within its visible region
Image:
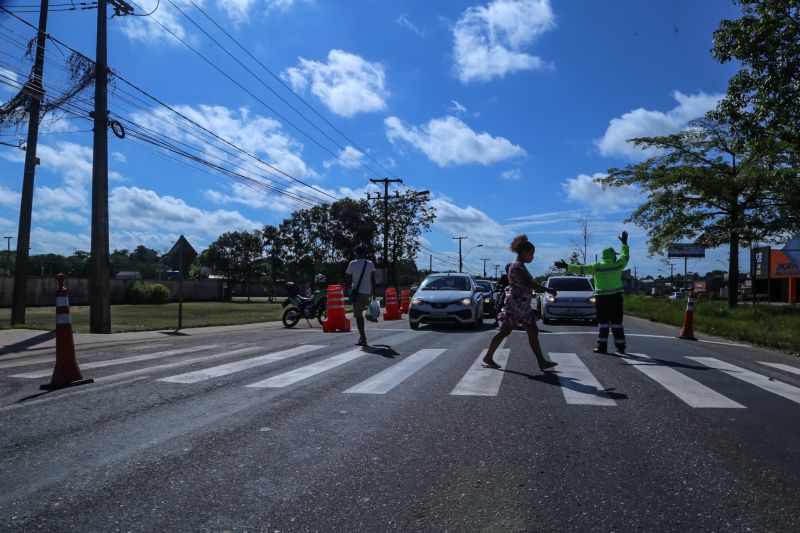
[148, 293]
[409, 215]
[236, 255]
[709, 185]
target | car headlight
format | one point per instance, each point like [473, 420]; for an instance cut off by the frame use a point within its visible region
[550, 298]
[465, 301]
[416, 301]
[592, 299]
[487, 300]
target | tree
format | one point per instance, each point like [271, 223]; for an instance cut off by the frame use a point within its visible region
[706, 183]
[409, 215]
[574, 259]
[581, 243]
[235, 255]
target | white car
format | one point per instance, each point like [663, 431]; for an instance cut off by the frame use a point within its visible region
[447, 299]
[574, 301]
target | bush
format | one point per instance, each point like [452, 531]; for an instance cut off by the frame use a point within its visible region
[148, 293]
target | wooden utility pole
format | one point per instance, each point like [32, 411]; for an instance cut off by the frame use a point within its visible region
[484, 265]
[99, 266]
[36, 90]
[496, 269]
[459, 239]
[385, 198]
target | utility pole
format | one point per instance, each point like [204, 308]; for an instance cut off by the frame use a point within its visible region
[671, 270]
[385, 198]
[8, 255]
[496, 269]
[430, 263]
[100, 267]
[459, 239]
[36, 91]
[484, 266]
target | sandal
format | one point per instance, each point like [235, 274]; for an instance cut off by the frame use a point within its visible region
[548, 364]
[490, 364]
[362, 342]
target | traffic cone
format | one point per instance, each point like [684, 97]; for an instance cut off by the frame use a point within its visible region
[66, 373]
[687, 331]
[392, 308]
[337, 320]
[405, 301]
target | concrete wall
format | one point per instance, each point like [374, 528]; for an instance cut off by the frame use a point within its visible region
[41, 291]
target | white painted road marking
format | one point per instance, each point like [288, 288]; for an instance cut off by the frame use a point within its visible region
[238, 366]
[694, 393]
[121, 361]
[384, 381]
[305, 372]
[28, 361]
[480, 381]
[776, 387]
[578, 384]
[779, 366]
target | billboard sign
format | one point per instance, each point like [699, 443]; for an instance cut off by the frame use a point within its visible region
[785, 263]
[685, 249]
[759, 262]
[699, 286]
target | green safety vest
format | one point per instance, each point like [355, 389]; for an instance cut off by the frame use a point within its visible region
[607, 273]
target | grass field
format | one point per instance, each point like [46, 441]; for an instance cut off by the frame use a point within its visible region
[149, 317]
[775, 326]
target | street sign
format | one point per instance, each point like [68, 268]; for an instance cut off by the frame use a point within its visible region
[685, 249]
[180, 255]
[759, 262]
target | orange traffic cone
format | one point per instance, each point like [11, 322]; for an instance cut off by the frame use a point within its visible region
[405, 301]
[392, 308]
[337, 320]
[687, 331]
[66, 373]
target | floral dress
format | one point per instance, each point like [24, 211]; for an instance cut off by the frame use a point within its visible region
[517, 309]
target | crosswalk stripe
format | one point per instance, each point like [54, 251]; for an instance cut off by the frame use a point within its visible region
[28, 361]
[779, 366]
[763, 382]
[121, 361]
[386, 380]
[305, 372]
[578, 384]
[480, 381]
[184, 362]
[694, 393]
[238, 366]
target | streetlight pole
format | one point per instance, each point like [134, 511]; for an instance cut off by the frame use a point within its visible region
[466, 254]
[484, 265]
[459, 239]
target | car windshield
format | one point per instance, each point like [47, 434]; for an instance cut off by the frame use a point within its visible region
[446, 283]
[570, 284]
[485, 286]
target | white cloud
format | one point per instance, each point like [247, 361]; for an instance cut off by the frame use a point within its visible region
[136, 209]
[119, 157]
[489, 41]
[255, 134]
[280, 5]
[237, 10]
[349, 157]
[9, 81]
[447, 141]
[148, 30]
[347, 84]
[457, 108]
[646, 123]
[512, 175]
[585, 190]
[8, 197]
[405, 22]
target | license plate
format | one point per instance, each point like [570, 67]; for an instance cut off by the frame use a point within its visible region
[573, 312]
[438, 314]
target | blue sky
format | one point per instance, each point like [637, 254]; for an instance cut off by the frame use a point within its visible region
[504, 110]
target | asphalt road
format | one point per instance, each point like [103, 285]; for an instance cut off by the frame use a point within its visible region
[267, 429]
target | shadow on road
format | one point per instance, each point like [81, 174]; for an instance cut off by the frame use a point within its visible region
[384, 350]
[28, 343]
[551, 378]
[656, 361]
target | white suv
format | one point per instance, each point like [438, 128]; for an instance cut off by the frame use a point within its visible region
[447, 299]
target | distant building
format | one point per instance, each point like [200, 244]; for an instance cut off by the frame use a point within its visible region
[129, 275]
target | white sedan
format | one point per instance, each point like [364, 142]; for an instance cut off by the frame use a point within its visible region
[447, 299]
[574, 301]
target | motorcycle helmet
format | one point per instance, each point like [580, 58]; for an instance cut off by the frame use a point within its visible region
[320, 279]
[291, 288]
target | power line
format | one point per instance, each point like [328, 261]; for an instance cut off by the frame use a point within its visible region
[277, 78]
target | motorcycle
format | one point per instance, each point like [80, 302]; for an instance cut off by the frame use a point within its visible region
[297, 307]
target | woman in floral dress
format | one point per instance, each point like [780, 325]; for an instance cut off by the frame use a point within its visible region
[517, 309]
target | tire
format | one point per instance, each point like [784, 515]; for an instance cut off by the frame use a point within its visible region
[290, 317]
[478, 323]
[546, 321]
[322, 314]
[413, 325]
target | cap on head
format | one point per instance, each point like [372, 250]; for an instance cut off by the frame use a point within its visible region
[609, 254]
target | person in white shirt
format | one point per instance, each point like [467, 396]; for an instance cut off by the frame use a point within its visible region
[362, 279]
